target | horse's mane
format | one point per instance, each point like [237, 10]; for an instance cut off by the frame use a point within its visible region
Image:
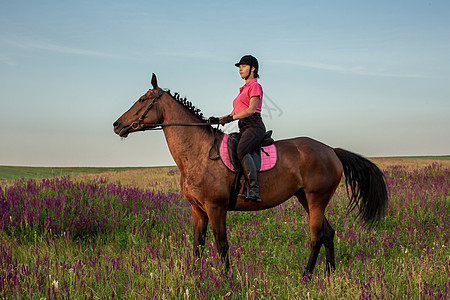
[188, 105]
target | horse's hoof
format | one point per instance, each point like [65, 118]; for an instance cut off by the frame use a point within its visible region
[307, 275]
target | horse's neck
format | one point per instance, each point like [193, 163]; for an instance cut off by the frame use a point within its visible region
[188, 144]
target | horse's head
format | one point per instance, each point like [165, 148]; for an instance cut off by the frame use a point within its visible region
[142, 114]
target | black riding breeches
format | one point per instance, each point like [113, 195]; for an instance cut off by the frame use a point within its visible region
[252, 134]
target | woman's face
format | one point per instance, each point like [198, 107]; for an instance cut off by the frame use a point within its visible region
[244, 71]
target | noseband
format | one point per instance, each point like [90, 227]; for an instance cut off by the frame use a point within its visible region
[137, 124]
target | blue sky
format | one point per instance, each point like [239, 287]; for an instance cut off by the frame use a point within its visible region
[373, 78]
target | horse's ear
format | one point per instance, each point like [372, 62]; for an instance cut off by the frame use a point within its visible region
[154, 81]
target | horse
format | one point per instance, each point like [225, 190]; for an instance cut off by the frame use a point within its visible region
[306, 168]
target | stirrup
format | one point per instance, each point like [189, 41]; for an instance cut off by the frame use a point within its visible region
[256, 199]
[245, 196]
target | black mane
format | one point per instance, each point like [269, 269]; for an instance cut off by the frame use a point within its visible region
[188, 105]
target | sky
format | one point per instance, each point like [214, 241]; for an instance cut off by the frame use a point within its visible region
[370, 77]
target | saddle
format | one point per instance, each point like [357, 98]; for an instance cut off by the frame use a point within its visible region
[265, 159]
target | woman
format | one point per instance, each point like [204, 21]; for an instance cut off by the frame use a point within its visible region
[247, 109]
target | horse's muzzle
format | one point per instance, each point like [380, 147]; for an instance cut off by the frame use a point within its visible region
[121, 130]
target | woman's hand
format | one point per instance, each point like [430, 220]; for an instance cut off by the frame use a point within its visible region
[213, 120]
[226, 119]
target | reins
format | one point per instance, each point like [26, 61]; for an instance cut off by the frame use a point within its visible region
[159, 126]
[154, 126]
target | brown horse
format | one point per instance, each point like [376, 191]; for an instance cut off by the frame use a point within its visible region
[306, 168]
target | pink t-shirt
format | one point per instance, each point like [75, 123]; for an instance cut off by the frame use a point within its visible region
[249, 90]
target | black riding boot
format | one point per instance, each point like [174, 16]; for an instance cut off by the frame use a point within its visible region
[251, 174]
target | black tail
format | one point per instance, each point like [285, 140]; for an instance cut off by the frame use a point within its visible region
[367, 185]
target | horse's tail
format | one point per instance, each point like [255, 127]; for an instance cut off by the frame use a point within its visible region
[367, 185]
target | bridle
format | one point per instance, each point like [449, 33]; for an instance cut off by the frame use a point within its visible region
[137, 124]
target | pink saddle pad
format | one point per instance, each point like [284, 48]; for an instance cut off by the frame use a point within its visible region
[267, 161]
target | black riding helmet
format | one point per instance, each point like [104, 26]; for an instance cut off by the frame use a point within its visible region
[251, 61]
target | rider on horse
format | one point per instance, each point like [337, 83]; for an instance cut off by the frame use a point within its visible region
[247, 109]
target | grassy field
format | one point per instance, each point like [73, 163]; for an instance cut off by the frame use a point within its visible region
[412, 163]
[14, 172]
[128, 234]
[17, 172]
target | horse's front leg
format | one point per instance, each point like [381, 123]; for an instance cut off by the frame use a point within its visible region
[200, 221]
[218, 218]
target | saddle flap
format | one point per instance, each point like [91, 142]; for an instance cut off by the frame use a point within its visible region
[265, 159]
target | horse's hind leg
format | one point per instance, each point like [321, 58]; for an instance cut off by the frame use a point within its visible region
[325, 236]
[316, 214]
[321, 232]
[328, 241]
[316, 231]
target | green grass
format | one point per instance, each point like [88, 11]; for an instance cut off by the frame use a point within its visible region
[143, 245]
[440, 157]
[15, 172]
[145, 251]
